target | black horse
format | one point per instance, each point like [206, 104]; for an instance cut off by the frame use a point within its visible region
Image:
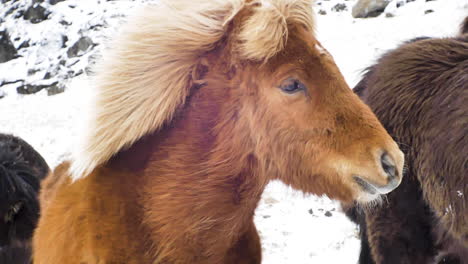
[21, 170]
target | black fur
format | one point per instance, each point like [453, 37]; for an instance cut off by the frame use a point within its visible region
[21, 171]
[16, 255]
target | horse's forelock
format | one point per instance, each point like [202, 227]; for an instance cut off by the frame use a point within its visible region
[269, 24]
[146, 75]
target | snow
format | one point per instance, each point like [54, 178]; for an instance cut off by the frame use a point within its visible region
[356, 43]
[294, 228]
[50, 39]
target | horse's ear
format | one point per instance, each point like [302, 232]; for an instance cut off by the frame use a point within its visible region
[464, 26]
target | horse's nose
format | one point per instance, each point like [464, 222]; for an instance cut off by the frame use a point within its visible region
[391, 173]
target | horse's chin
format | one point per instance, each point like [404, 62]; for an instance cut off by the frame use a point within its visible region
[366, 199]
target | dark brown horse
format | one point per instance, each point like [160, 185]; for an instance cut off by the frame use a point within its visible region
[419, 91]
[201, 104]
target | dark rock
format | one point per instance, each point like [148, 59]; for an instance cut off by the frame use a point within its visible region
[10, 82]
[97, 26]
[328, 214]
[19, 14]
[53, 71]
[339, 7]
[369, 8]
[428, 11]
[89, 71]
[71, 63]
[55, 89]
[28, 89]
[10, 11]
[429, 0]
[72, 74]
[80, 47]
[322, 12]
[36, 14]
[2, 94]
[389, 15]
[32, 71]
[53, 2]
[6, 1]
[64, 41]
[266, 216]
[31, 89]
[400, 4]
[7, 50]
[408, 1]
[311, 211]
[24, 44]
[65, 23]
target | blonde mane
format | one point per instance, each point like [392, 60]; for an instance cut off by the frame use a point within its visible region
[147, 74]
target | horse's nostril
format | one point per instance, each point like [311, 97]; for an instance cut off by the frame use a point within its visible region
[374, 186]
[388, 166]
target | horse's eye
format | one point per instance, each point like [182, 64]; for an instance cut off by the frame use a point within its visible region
[291, 86]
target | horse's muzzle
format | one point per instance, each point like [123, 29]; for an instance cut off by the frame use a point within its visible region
[388, 166]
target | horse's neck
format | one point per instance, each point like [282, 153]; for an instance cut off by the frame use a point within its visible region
[197, 173]
[187, 190]
[193, 177]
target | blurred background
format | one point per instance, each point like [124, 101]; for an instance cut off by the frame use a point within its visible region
[48, 48]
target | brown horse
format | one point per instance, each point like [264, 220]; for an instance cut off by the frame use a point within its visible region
[199, 106]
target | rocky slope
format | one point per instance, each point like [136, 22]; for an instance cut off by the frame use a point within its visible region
[45, 43]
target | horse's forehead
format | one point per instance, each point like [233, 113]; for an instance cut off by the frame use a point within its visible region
[304, 43]
[301, 50]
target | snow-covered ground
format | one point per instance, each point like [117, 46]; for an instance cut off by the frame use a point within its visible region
[295, 228]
